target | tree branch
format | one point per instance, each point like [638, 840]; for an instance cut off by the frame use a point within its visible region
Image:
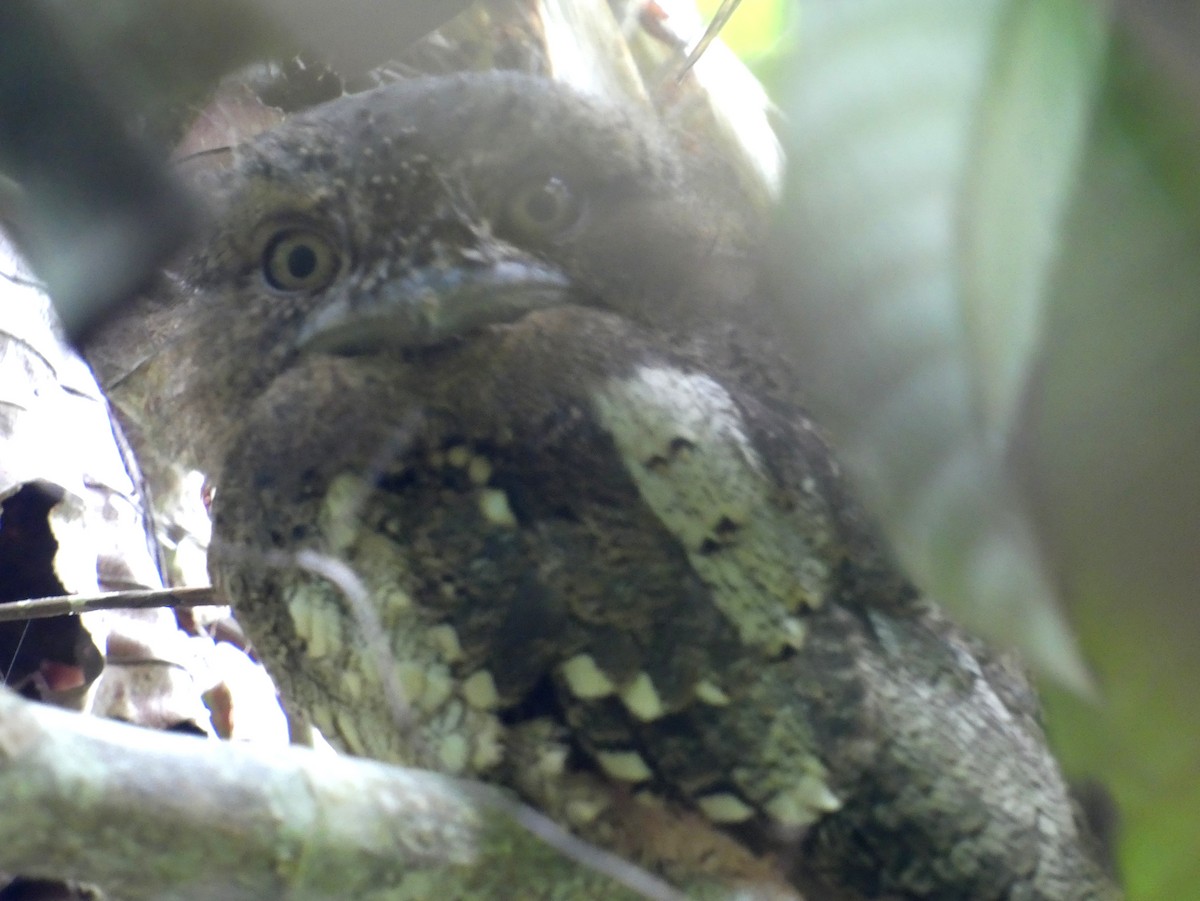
[149, 814]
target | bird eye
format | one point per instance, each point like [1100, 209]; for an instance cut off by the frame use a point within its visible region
[544, 209]
[299, 259]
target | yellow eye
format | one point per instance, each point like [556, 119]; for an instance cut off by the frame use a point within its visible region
[299, 259]
[543, 210]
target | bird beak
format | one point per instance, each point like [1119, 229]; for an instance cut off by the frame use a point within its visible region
[431, 305]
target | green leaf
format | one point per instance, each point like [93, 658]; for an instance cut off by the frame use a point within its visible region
[933, 146]
[990, 254]
[1029, 125]
[1112, 430]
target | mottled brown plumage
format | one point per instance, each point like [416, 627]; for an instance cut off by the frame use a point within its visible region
[495, 347]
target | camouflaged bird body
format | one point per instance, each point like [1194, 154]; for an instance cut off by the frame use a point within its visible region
[557, 533]
[608, 554]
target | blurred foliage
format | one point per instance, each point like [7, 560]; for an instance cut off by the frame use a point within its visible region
[758, 28]
[931, 150]
[1112, 446]
[988, 268]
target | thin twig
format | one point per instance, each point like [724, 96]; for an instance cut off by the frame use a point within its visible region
[366, 618]
[710, 34]
[139, 599]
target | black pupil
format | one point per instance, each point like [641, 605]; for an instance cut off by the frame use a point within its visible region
[301, 261]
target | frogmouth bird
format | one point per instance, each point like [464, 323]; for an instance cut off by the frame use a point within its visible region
[490, 346]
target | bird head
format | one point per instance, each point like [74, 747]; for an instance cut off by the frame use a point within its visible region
[413, 215]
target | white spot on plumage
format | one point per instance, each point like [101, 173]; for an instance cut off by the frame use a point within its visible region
[725, 808]
[628, 766]
[641, 697]
[479, 690]
[711, 693]
[805, 802]
[585, 679]
[493, 504]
